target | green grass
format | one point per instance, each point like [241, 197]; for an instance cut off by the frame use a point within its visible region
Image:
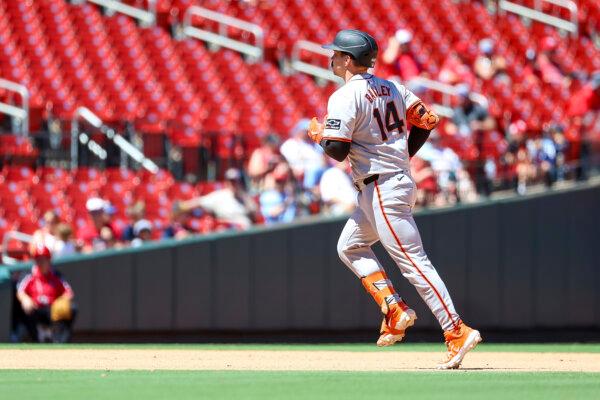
[180, 385]
[402, 347]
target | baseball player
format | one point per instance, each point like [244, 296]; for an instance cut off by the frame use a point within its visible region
[367, 120]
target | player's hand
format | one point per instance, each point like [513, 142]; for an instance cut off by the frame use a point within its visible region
[28, 305]
[315, 130]
[419, 115]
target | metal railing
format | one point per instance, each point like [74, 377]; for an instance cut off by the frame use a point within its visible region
[311, 69]
[146, 17]
[255, 51]
[447, 92]
[8, 236]
[20, 113]
[540, 16]
[83, 138]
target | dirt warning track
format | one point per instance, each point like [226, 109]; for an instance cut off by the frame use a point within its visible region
[267, 360]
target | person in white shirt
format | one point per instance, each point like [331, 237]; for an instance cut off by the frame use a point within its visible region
[303, 155]
[336, 188]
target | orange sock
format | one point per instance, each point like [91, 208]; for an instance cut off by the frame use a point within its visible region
[381, 289]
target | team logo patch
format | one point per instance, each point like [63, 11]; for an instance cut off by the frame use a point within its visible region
[333, 124]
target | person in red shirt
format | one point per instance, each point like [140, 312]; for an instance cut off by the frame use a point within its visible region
[37, 292]
[399, 56]
[99, 232]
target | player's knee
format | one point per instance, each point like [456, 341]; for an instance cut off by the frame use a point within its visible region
[343, 250]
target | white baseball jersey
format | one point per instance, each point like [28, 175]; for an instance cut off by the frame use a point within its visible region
[370, 112]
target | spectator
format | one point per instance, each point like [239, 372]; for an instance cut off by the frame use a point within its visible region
[526, 171]
[543, 153]
[583, 133]
[64, 245]
[142, 230]
[46, 235]
[426, 181]
[46, 301]
[179, 227]
[337, 190]
[277, 201]
[303, 155]
[98, 232]
[230, 204]
[398, 55]
[447, 167]
[135, 213]
[470, 116]
[489, 65]
[562, 146]
[263, 160]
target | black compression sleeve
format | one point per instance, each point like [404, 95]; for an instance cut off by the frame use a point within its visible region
[416, 139]
[336, 149]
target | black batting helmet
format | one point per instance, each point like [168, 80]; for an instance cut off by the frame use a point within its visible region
[359, 44]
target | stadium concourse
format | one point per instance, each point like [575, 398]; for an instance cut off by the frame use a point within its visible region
[228, 132]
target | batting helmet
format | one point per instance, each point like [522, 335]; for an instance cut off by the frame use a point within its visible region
[40, 251]
[359, 44]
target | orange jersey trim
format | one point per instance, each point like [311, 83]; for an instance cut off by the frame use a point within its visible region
[337, 139]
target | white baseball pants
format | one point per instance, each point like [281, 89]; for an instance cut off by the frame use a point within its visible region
[384, 213]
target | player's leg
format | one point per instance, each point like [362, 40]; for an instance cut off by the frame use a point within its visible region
[399, 235]
[354, 249]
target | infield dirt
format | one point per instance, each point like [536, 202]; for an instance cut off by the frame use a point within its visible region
[265, 360]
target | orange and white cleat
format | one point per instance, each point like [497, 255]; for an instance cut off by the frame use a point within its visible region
[397, 319]
[459, 342]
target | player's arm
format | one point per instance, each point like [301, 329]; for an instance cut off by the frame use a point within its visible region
[423, 121]
[337, 149]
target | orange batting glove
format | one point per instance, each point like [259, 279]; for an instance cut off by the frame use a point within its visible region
[315, 130]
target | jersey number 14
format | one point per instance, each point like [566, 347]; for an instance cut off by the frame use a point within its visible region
[392, 121]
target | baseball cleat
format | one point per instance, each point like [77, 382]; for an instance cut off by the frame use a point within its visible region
[393, 327]
[459, 342]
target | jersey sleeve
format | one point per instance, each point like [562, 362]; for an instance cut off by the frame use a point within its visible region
[341, 117]
[25, 284]
[409, 97]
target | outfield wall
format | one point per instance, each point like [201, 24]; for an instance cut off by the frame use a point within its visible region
[530, 262]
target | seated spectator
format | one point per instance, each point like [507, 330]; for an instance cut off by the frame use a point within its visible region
[447, 167]
[337, 190]
[142, 230]
[179, 228]
[303, 155]
[470, 116]
[278, 201]
[46, 301]
[426, 181]
[398, 55]
[489, 65]
[230, 204]
[64, 245]
[99, 232]
[263, 160]
[46, 235]
[135, 213]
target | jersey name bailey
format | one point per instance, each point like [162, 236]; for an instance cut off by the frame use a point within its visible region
[373, 92]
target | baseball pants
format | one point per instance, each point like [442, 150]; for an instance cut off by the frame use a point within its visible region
[384, 213]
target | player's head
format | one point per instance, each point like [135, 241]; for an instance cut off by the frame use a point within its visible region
[41, 255]
[352, 50]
